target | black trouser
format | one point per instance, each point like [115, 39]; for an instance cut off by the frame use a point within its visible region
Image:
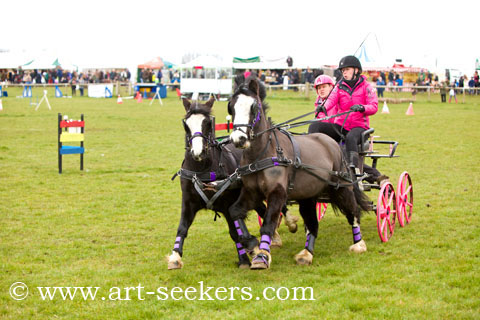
[444, 97]
[352, 138]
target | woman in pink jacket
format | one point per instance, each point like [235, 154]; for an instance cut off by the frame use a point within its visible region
[353, 93]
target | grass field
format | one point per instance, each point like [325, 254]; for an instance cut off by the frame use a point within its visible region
[113, 224]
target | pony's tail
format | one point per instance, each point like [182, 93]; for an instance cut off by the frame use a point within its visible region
[343, 201]
[362, 200]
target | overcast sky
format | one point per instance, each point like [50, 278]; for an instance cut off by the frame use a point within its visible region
[422, 33]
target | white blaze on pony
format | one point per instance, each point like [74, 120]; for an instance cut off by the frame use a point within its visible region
[194, 123]
[242, 116]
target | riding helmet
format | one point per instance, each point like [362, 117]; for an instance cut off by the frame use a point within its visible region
[350, 61]
[322, 79]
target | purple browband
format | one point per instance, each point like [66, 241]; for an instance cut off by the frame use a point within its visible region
[196, 134]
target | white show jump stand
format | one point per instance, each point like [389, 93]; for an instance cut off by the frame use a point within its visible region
[157, 95]
[44, 98]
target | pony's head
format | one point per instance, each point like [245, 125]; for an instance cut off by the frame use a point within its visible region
[245, 106]
[198, 127]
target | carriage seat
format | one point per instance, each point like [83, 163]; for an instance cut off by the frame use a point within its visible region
[364, 147]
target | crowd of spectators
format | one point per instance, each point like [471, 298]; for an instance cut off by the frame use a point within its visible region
[58, 75]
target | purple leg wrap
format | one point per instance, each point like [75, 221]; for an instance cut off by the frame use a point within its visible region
[265, 243]
[357, 235]
[308, 239]
[240, 249]
[237, 226]
[178, 246]
[310, 243]
[177, 242]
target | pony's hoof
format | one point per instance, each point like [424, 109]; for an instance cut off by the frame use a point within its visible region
[291, 222]
[261, 261]
[243, 262]
[174, 261]
[359, 247]
[304, 258]
[277, 240]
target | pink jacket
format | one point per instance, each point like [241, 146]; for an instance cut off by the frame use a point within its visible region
[343, 97]
[331, 111]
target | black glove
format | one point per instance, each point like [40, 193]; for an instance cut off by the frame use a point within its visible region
[357, 108]
[319, 109]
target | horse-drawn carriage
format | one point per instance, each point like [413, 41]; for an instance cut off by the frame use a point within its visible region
[279, 168]
[390, 205]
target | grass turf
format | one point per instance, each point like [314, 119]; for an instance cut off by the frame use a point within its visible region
[113, 224]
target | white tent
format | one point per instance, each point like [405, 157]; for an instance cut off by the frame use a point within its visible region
[207, 62]
[206, 74]
[41, 61]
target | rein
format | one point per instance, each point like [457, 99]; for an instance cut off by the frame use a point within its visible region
[287, 125]
[281, 160]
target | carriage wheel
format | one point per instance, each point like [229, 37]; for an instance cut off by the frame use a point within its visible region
[404, 199]
[321, 209]
[386, 212]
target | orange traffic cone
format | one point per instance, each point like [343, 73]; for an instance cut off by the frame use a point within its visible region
[410, 110]
[385, 108]
[119, 100]
[139, 98]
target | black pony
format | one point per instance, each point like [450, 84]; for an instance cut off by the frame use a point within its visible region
[277, 167]
[207, 162]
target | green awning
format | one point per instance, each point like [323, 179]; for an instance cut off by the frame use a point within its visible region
[248, 60]
[28, 63]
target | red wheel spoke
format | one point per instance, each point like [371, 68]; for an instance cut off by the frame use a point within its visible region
[408, 190]
[391, 225]
[384, 203]
[390, 199]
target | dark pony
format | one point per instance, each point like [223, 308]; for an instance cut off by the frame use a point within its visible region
[207, 162]
[278, 167]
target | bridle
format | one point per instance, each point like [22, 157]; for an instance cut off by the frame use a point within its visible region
[208, 139]
[256, 108]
